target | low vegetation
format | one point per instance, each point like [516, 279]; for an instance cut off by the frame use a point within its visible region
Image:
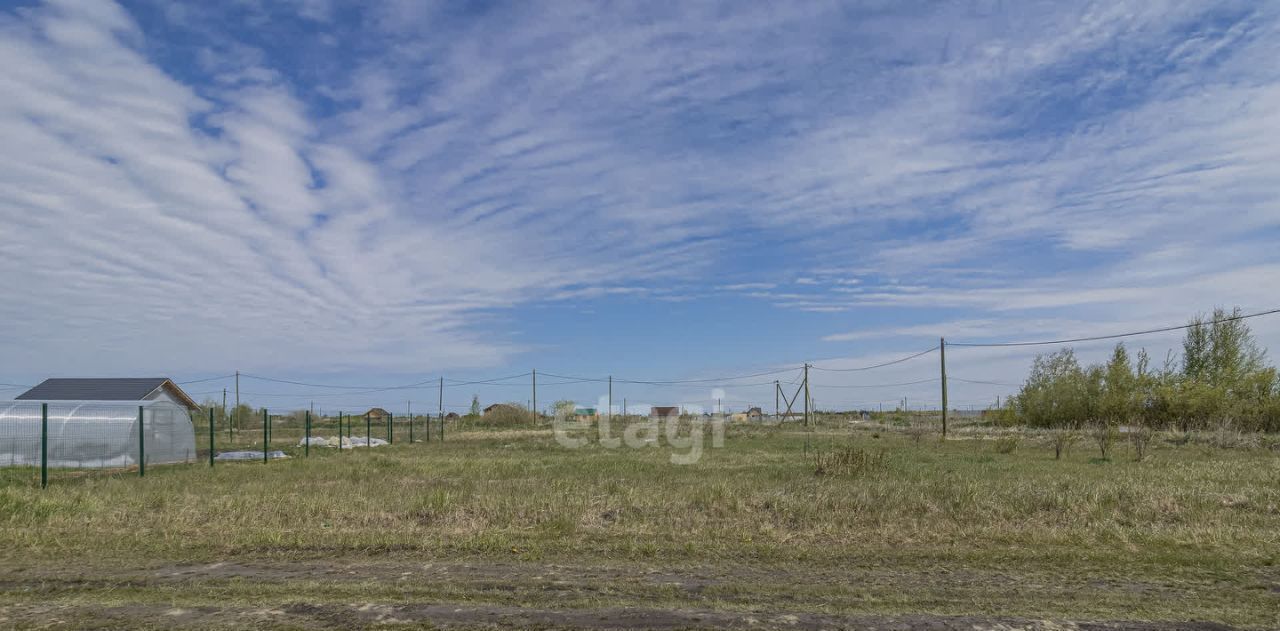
[508, 518]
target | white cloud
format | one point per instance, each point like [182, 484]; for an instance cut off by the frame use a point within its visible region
[1002, 167]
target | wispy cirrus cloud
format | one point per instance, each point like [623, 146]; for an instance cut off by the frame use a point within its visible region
[239, 181]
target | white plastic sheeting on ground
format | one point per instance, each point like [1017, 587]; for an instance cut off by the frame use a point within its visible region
[88, 434]
[347, 442]
[361, 441]
[249, 455]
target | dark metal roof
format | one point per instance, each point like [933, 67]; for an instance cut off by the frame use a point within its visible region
[121, 389]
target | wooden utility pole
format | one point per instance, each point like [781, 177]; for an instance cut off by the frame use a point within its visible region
[609, 416]
[942, 347]
[236, 415]
[777, 389]
[225, 416]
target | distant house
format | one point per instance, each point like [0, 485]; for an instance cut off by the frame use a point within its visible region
[378, 414]
[585, 414]
[499, 408]
[110, 389]
[754, 414]
[452, 416]
[663, 412]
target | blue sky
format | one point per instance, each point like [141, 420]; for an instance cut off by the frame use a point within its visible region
[381, 193]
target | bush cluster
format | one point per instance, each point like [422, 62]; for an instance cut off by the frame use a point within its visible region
[1222, 380]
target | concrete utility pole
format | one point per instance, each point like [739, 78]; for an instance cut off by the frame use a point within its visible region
[224, 410]
[534, 406]
[609, 416]
[236, 415]
[942, 347]
[777, 388]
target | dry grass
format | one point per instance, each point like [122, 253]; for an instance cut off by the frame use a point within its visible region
[1187, 513]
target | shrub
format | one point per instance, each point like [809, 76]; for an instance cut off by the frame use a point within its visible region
[1062, 439]
[1141, 439]
[1104, 434]
[917, 431]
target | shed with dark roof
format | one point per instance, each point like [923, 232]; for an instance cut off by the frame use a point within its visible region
[109, 389]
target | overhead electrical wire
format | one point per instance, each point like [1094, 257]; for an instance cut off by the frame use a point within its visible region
[488, 382]
[985, 383]
[579, 379]
[879, 385]
[187, 383]
[880, 365]
[724, 381]
[1095, 338]
[324, 385]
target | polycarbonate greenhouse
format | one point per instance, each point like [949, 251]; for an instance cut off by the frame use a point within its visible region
[96, 434]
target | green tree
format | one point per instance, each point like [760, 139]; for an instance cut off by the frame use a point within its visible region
[1221, 351]
[475, 406]
[564, 408]
[1119, 388]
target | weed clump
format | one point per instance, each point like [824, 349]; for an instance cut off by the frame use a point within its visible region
[847, 462]
[1007, 444]
[917, 431]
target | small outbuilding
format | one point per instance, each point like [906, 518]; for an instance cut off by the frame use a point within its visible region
[664, 412]
[110, 389]
[92, 423]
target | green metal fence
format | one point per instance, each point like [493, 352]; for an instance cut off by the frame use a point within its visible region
[120, 437]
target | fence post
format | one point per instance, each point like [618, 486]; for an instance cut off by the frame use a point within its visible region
[306, 449]
[210, 436]
[44, 445]
[368, 429]
[266, 436]
[410, 427]
[391, 428]
[142, 446]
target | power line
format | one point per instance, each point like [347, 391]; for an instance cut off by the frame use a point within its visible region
[187, 383]
[882, 385]
[578, 379]
[336, 387]
[494, 381]
[985, 383]
[1118, 335]
[882, 365]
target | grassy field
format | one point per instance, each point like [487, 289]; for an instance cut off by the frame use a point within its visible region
[510, 528]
